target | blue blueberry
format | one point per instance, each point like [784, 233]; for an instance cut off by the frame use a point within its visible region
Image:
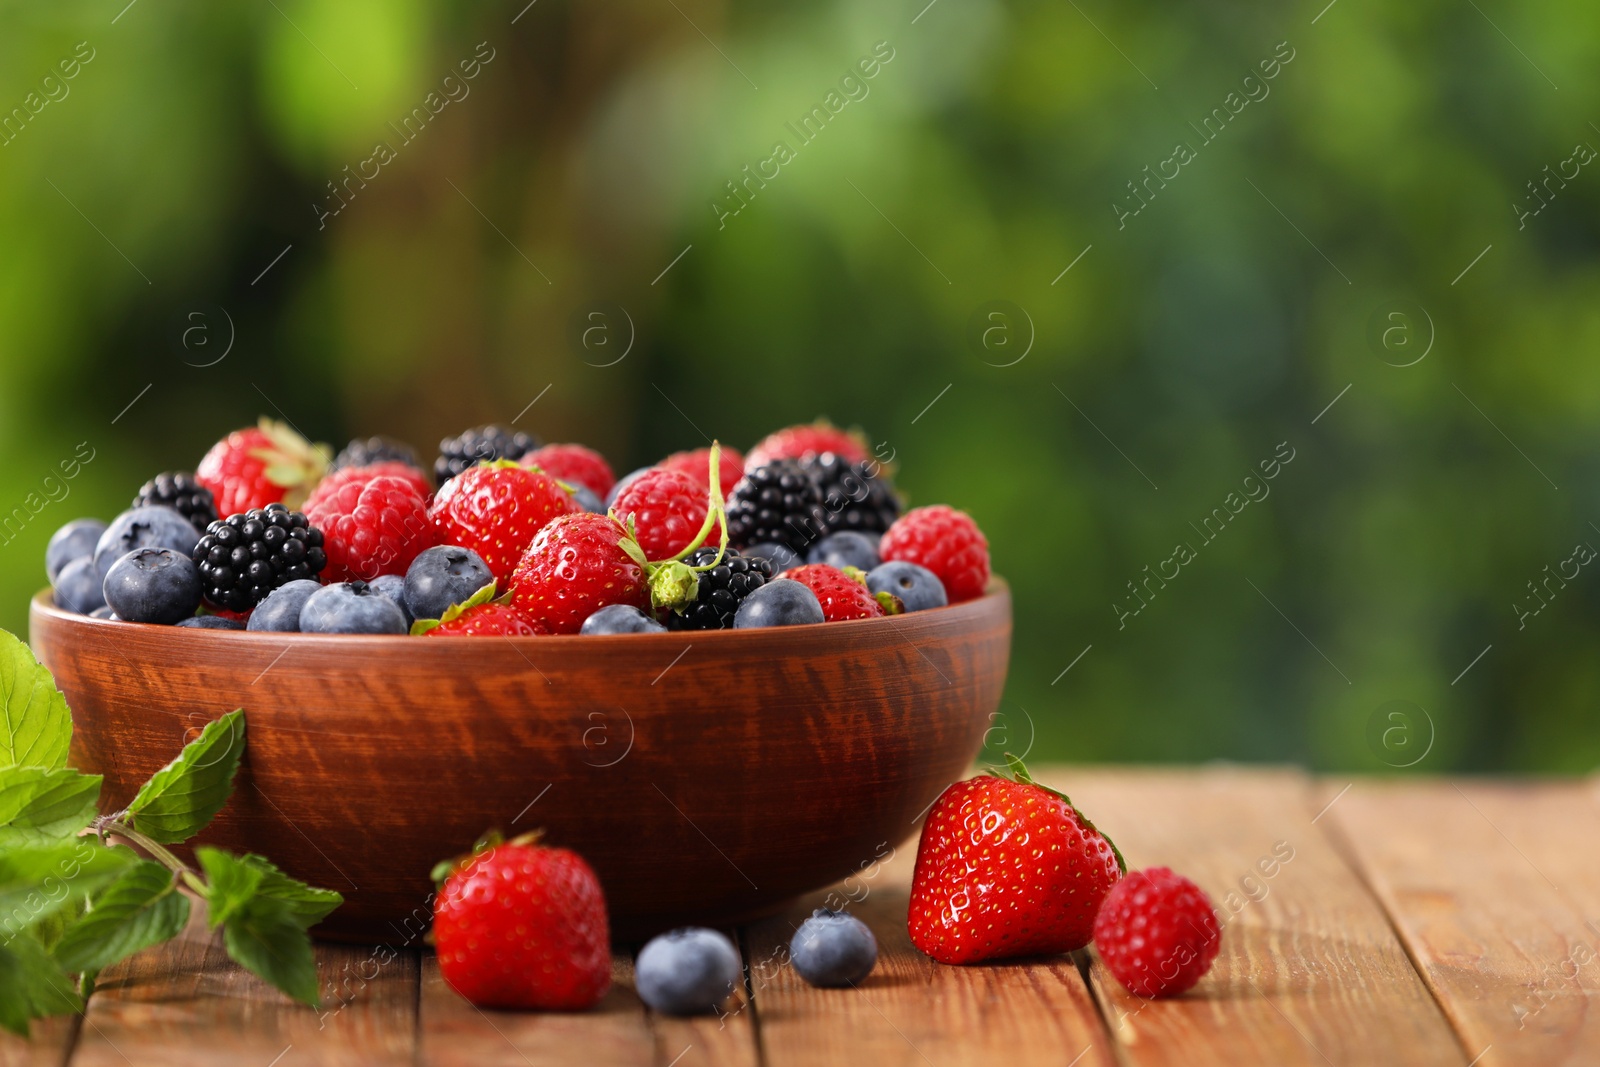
[586, 499]
[103, 612]
[622, 483]
[351, 608]
[781, 602]
[847, 548]
[211, 622]
[917, 587]
[394, 587]
[158, 585]
[280, 612]
[443, 576]
[782, 557]
[833, 949]
[151, 526]
[687, 972]
[73, 541]
[79, 587]
[620, 619]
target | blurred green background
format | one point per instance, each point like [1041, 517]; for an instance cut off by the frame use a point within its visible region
[1358, 229]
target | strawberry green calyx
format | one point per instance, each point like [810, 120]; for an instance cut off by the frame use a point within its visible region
[455, 611]
[491, 839]
[891, 604]
[1019, 772]
[291, 461]
[673, 584]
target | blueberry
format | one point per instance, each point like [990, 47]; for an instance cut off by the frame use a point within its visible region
[622, 483]
[781, 602]
[211, 622]
[394, 587]
[782, 557]
[351, 608]
[158, 585]
[916, 586]
[73, 541]
[79, 587]
[152, 526]
[442, 577]
[847, 548]
[620, 619]
[687, 972]
[833, 949]
[103, 612]
[586, 499]
[280, 612]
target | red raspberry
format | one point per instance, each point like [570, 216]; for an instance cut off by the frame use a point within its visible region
[797, 441]
[488, 620]
[667, 507]
[841, 596]
[696, 463]
[576, 566]
[574, 463]
[522, 926]
[370, 526]
[347, 475]
[1157, 932]
[261, 465]
[495, 509]
[945, 541]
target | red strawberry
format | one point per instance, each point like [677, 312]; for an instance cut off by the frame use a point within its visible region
[522, 926]
[696, 463]
[577, 565]
[261, 465]
[797, 441]
[945, 541]
[667, 509]
[1007, 868]
[842, 596]
[495, 509]
[574, 463]
[370, 526]
[1157, 932]
[487, 620]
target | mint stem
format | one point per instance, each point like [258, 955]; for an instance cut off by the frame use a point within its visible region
[158, 851]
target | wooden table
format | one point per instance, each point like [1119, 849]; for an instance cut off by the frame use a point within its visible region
[1376, 921]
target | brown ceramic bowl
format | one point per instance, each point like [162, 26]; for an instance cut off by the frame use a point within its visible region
[709, 777]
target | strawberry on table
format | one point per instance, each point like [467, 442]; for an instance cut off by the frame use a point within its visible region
[495, 509]
[1008, 868]
[264, 464]
[946, 542]
[1157, 932]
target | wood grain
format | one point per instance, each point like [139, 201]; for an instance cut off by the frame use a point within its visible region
[1310, 971]
[46, 1046]
[1496, 889]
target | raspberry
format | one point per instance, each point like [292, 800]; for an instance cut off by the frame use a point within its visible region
[574, 464]
[482, 444]
[1157, 932]
[486, 620]
[945, 541]
[370, 527]
[696, 463]
[495, 509]
[841, 596]
[775, 502]
[265, 464]
[721, 589]
[394, 469]
[796, 442]
[576, 566]
[667, 508]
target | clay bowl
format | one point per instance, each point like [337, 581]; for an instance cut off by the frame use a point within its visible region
[708, 777]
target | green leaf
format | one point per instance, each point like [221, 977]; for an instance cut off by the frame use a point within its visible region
[35, 725]
[268, 939]
[38, 805]
[181, 798]
[32, 985]
[139, 909]
[36, 881]
[308, 904]
[231, 883]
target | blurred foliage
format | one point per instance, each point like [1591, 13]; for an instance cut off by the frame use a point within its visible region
[200, 141]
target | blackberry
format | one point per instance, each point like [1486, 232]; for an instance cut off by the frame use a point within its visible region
[365, 451]
[179, 490]
[722, 589]
[458, 453]
[778, 502]
[853, 497]
[245, 557]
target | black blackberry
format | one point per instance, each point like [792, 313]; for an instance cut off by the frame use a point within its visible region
[363, 451]
[244, 557]
[853, 496]
[722, 589]
[180, 491]
[778, 502]
[458, 453]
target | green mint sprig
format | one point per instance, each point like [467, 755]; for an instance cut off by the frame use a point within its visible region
[77, 895]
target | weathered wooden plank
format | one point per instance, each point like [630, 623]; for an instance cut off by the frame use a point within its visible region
[911, 1010]
[1495, 888]
[46, 1046]
[1310, 971]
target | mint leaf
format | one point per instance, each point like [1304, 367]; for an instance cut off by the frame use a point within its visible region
[231, 883]
[181, 798]
[32, 985]
[36, 881]
[38, 805]
[139, 909]
[267, 939]
[308, 904]
[35, 726]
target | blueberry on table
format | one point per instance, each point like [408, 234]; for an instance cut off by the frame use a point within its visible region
[781, 602]
[157, 585]
[917, 587]
[833, 949]
[280, 612]
[351, 608]
[847, 548]
[687, 972]
[620, 619]
[79, 587]
[75, 540]
[150, 526]
[442, 577]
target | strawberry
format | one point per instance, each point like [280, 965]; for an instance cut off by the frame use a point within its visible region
[665, 510]
[945, 541]
[696, 463]
[495, 509]
[577, 565]
[370, 526]
[265, 464]
[842, 594]
[486, 620]
[1007, 868]
[1157, 933]
[522, 926]
[795, 442]
[575, 463]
